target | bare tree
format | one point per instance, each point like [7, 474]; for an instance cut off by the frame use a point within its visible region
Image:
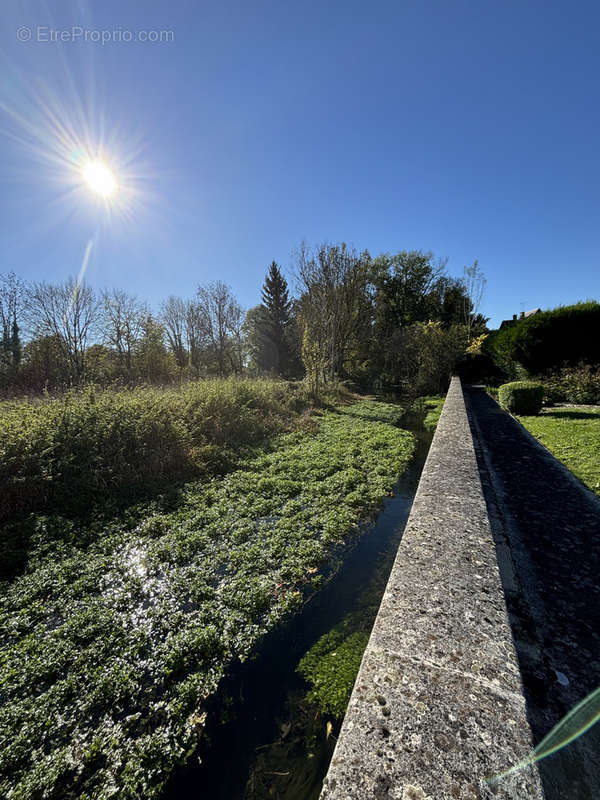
[68, 311]
[332, 279]
[193, 333]
[474, 281]
[174, 315]
[122, 324]
[153, 361]
[236, 330]
[219, 318]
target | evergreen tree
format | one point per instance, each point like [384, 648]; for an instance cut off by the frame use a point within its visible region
[274, 352]
[15, 344]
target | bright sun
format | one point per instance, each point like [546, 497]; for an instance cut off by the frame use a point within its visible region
[100, 178]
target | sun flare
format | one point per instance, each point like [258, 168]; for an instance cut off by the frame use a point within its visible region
[100, 178]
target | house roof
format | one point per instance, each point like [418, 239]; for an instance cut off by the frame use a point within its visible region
[523, 315]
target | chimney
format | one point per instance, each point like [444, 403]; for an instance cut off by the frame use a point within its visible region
[522, 315]
[514, 317]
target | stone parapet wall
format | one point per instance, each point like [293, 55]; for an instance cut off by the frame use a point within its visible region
[438, 702]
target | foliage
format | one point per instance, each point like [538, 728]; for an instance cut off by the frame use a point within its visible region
[573, 435]
[428, 354]
[433, 405]
[580, 384]
[119, 630]
[480, 368]
[43, 367]
[546, 341]
[411, 287]
[68, 312]
[475, 347]
[219, 321]
[11, 302]
[477, 366]
[174, 315]
[332, 280]
[154, 363]
[271, 330]
[274, 324]
[74, 449]
[314, 358]
[332, 665]
[521, 397]
[123, 321]
[352, 316]
[410, 290]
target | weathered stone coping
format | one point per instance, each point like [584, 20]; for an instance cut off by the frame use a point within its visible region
[438, 704]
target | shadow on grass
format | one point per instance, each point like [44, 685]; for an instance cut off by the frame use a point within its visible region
[571, 414]
[78, 522]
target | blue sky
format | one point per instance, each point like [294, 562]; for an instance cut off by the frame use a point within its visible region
[465, 128]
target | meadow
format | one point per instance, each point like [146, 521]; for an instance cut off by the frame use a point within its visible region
[120, 617]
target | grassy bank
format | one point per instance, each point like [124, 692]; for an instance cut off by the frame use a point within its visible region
[76, 449]
[118, 632]
[573, 435]
[331, 665]
[89, 449]
[433, 405]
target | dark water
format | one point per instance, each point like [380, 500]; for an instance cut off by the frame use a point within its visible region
[266, 740]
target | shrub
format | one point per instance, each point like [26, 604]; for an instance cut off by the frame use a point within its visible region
[521, 397]
[70, 451]
[480, 368]
[579, 384]
[428, 354]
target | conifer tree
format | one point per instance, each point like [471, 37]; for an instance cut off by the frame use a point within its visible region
[15, 344]
[274, 323]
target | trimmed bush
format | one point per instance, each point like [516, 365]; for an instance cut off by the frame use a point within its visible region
[521, 397]
[566, 335]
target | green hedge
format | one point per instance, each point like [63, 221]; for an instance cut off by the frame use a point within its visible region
[521, 397]
[567, 335]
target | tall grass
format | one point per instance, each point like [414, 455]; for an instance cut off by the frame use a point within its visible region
[72, 449]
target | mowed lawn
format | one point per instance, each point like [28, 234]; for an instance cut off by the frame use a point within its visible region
[573, 435]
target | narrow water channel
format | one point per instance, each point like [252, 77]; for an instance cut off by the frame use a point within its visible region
[266, 739]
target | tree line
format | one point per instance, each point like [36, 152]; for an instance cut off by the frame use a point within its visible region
[394, 320]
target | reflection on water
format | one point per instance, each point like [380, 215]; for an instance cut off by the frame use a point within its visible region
[266, 739]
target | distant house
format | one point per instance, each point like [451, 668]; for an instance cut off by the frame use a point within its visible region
[506, 323]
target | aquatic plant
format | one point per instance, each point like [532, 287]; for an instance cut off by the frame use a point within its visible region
[120, 629]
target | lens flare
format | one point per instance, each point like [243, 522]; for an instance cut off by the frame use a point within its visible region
[84, 160]
[573, 725]
[73, 154]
